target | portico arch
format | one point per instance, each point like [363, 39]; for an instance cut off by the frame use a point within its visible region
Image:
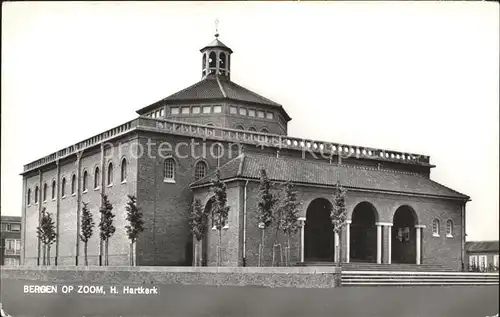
[318, 232]
[206, 237]
[404, 246]
[363, 233]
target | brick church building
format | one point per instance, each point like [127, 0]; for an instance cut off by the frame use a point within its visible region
[167, 156]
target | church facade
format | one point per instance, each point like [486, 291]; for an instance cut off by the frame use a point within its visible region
[168, 155]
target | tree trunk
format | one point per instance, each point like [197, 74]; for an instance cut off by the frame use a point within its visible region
[288, 250]
[340, 248]
[85, 253]
[195, 257]
[131, 253]
[48, 254]
[219, 255]
[106, 252]
[44, 246]
[261, 254]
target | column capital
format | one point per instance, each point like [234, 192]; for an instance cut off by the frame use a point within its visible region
[420, 226]
[349, 221]
[302, 219]
[388, 224]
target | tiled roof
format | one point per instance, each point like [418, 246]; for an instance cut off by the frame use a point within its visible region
[317, 172]
[481, 246]
[210, 88]
[217, 43]
[10, 219]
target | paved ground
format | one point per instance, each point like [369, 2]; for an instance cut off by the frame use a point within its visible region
[197, 301]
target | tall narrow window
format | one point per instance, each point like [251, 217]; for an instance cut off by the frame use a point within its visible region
[45, 192]
[97, 178]
[36, 194]
[29, 196]
[110, 174]
[54, 189]
[123, 174]
[435, 228]
[200, 170]
[85, 180]
[73, 184]
[63, 187]
[169, 169]
[449, 228]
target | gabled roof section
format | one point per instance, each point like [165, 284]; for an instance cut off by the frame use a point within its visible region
[482, 246]
[316, 172]
[210, 88]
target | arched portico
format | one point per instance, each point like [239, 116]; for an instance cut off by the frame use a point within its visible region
[405, 236]
[363, 233]
[206, 237]
[318, 232]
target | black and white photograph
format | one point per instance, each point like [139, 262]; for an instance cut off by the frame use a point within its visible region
[250, 158]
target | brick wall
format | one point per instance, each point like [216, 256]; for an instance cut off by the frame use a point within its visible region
[435, 250]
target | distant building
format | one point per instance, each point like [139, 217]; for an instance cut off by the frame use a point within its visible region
[482, 255]
[10, 240]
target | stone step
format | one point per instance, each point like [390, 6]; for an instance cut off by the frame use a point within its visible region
[417, 278]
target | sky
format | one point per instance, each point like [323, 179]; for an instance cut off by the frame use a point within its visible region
[418, 77]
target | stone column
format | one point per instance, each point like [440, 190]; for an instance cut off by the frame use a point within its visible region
[348, 241]
[302, 225]
[389, 244]
[418, 241]
[379, 243]
[336, 247]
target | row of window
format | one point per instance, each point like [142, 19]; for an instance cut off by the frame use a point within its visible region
[169, 168]
[481, 261]
[11, 261]
[156, 114]
[251, 112]
[436, 228]
[11, 227]
[251, 129]
[196, 109]
[12, 247]
[85, 181]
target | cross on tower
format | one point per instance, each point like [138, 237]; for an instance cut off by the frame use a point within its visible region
[216, 27]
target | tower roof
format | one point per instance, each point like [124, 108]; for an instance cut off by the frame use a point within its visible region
[216, 43]
[211, 88]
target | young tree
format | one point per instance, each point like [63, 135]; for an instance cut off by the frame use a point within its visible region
[265, 205]
[135, 226]
[47, 234]
[220, 210]
[106, 225]
[87, 229]
[289, 217]
[338, 215]
[198, 224]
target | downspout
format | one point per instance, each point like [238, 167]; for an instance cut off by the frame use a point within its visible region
[245, 224]
[463, 236]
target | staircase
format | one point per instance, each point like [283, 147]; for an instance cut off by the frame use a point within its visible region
[373, 274]
[372, 278]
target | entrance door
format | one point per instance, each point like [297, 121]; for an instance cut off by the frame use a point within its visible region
[318, 232]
